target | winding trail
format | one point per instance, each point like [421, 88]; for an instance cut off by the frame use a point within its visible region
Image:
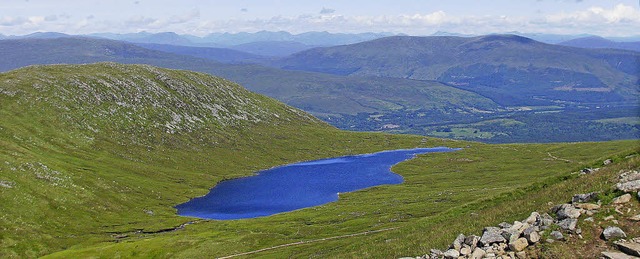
[308, 242]
[557, 158]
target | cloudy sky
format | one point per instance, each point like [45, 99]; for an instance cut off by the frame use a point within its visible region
[414, 17]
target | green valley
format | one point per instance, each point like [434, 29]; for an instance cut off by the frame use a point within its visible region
[94, 157]
[409, 88]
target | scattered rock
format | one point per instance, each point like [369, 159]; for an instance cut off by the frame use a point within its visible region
[465, 250]
[532, 237]
[587, 206]
[435, 253]
[585, 197]
[568, 224]
[478, 253]
[504, 225]
[622, 199]
[472, 241]
[519, 244]
[451, 254]
[613, 232]
[533, 218]
[632, 186]
[7, 184]
[545, 221]
[509, 240]
[457, 243]
[530, 230]
[523, 227]
[517, 225]
[567, 211]
[491, 235]
[628, 176]
[616, 255]
[510, 235]
[557, 235]
[629, 181]
[629, 248]
[588, 171]
[607, 162]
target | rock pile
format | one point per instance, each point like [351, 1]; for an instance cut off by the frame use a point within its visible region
[510, 240]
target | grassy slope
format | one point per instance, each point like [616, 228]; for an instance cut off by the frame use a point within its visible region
[83, 168]
[77, 180]
[443, 195]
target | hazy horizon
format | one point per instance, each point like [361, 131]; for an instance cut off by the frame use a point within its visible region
[620, 18]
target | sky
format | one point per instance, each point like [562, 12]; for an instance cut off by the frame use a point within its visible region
[609, 18]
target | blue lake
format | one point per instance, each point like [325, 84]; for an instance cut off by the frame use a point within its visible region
[299, 185]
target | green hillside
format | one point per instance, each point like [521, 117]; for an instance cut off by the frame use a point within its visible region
[95, 149]
[94, 157]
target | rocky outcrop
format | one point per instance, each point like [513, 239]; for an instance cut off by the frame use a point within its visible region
[512, 240]
[629, 181]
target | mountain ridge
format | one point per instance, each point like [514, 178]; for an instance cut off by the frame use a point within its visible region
[596, 42]
[291, 87]
[467, 107]
[492, 65]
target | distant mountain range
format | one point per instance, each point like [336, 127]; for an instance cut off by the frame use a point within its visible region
[321, 94]
[222, 55]
[233, 39]
[510, 70]
[496, 88]
[595, 42]
[281, 43]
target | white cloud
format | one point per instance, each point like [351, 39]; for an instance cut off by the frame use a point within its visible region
[618, 14]
[13, 21]
[184, 18]
[614, 20]
[327, 11]
[51, 18]
[140, 21]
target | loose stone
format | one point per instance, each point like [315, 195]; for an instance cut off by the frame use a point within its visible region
[557, 235]
[519, 245]
[568, 224]
[451, 254]
[613, 232]
[622, 199]
[491, 235]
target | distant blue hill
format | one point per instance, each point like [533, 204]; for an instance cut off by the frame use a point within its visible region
[595, 42]
[272, 48]
[222, 55]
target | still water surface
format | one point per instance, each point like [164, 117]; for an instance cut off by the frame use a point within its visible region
[299, 185]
